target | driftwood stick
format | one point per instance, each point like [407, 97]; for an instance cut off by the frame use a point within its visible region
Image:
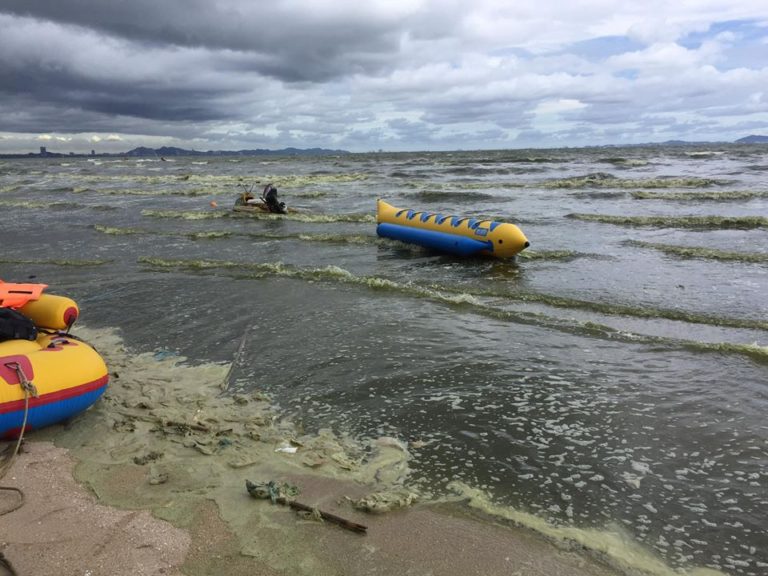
[343, 522]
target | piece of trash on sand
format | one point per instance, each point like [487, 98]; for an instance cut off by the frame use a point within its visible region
[380, 502]
[278, 492]
[272, 490]
[287, 449]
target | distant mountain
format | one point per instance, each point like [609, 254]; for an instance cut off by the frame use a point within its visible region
[753, 139]
[688, 143]
[173, 151]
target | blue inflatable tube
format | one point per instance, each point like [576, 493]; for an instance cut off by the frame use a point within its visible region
[459, 245]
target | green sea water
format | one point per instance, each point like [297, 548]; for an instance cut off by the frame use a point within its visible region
[613, 375]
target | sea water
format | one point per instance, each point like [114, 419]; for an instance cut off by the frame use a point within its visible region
[612, 379]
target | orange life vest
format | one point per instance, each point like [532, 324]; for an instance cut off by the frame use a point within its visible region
[16, 295]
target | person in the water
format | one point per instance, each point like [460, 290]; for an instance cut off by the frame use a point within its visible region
[269, 196]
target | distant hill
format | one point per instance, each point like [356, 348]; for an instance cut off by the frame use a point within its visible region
[173, 151]
[688, 143]
[753, 139]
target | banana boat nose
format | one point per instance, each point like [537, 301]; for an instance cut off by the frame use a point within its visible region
[508, 240]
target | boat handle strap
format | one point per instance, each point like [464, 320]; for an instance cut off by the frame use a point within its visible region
[25, 384]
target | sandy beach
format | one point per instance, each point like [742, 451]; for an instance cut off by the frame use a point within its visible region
[63, 529]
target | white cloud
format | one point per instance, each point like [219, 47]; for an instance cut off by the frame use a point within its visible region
[548, 107]
[411, 73]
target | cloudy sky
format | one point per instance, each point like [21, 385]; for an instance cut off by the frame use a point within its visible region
[365, 75]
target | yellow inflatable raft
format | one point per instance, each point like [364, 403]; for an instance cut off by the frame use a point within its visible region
[51, 378]
[453, 234]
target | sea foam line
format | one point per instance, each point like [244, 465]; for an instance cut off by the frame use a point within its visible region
[702, 252]
[690, 222]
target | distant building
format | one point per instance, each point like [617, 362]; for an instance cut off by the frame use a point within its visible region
[93, 152]
[43, 151]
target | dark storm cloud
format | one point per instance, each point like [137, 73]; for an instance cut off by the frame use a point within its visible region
[288, 44]
[36, 84]
[191, 61]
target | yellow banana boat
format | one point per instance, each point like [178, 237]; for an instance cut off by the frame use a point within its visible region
[51, 378]
[453, 234]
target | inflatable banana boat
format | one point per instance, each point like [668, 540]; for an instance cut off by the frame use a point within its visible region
[51, 377]
[452, 234]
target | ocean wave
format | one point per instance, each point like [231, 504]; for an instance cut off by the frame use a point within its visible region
[532, 159]
[54, 261]
[472, 301]
[223, 182]
[458, 187]
[699, 196]
[117, 231]
[294, 216]
[691, 222]
[612, 309]
[456, 196]
[624, 162]
[599, 194]
[485, 171]
[309, 218]
[408, 175]
[339, 238]
[604, 180]
[223, 234]
[703, 154]
[191, 193]
[755, 351]
[37, 205]
[703, 252]
[550, 255]
[185, 215]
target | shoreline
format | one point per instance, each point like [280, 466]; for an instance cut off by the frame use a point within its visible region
[64, 528]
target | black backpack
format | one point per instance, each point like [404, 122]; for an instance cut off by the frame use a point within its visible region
[15, 326]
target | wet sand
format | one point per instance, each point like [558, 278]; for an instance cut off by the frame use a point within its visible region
[62, 529]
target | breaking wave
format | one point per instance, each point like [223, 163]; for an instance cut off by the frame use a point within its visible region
[223, 234]
[691, 222]
[703, 252]
[604, 180]
[297, 217]
[185, 215]
[457, 197]
[54, 261]
[37, 205]
[624, 162]
[551, 255]
[698, 196]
